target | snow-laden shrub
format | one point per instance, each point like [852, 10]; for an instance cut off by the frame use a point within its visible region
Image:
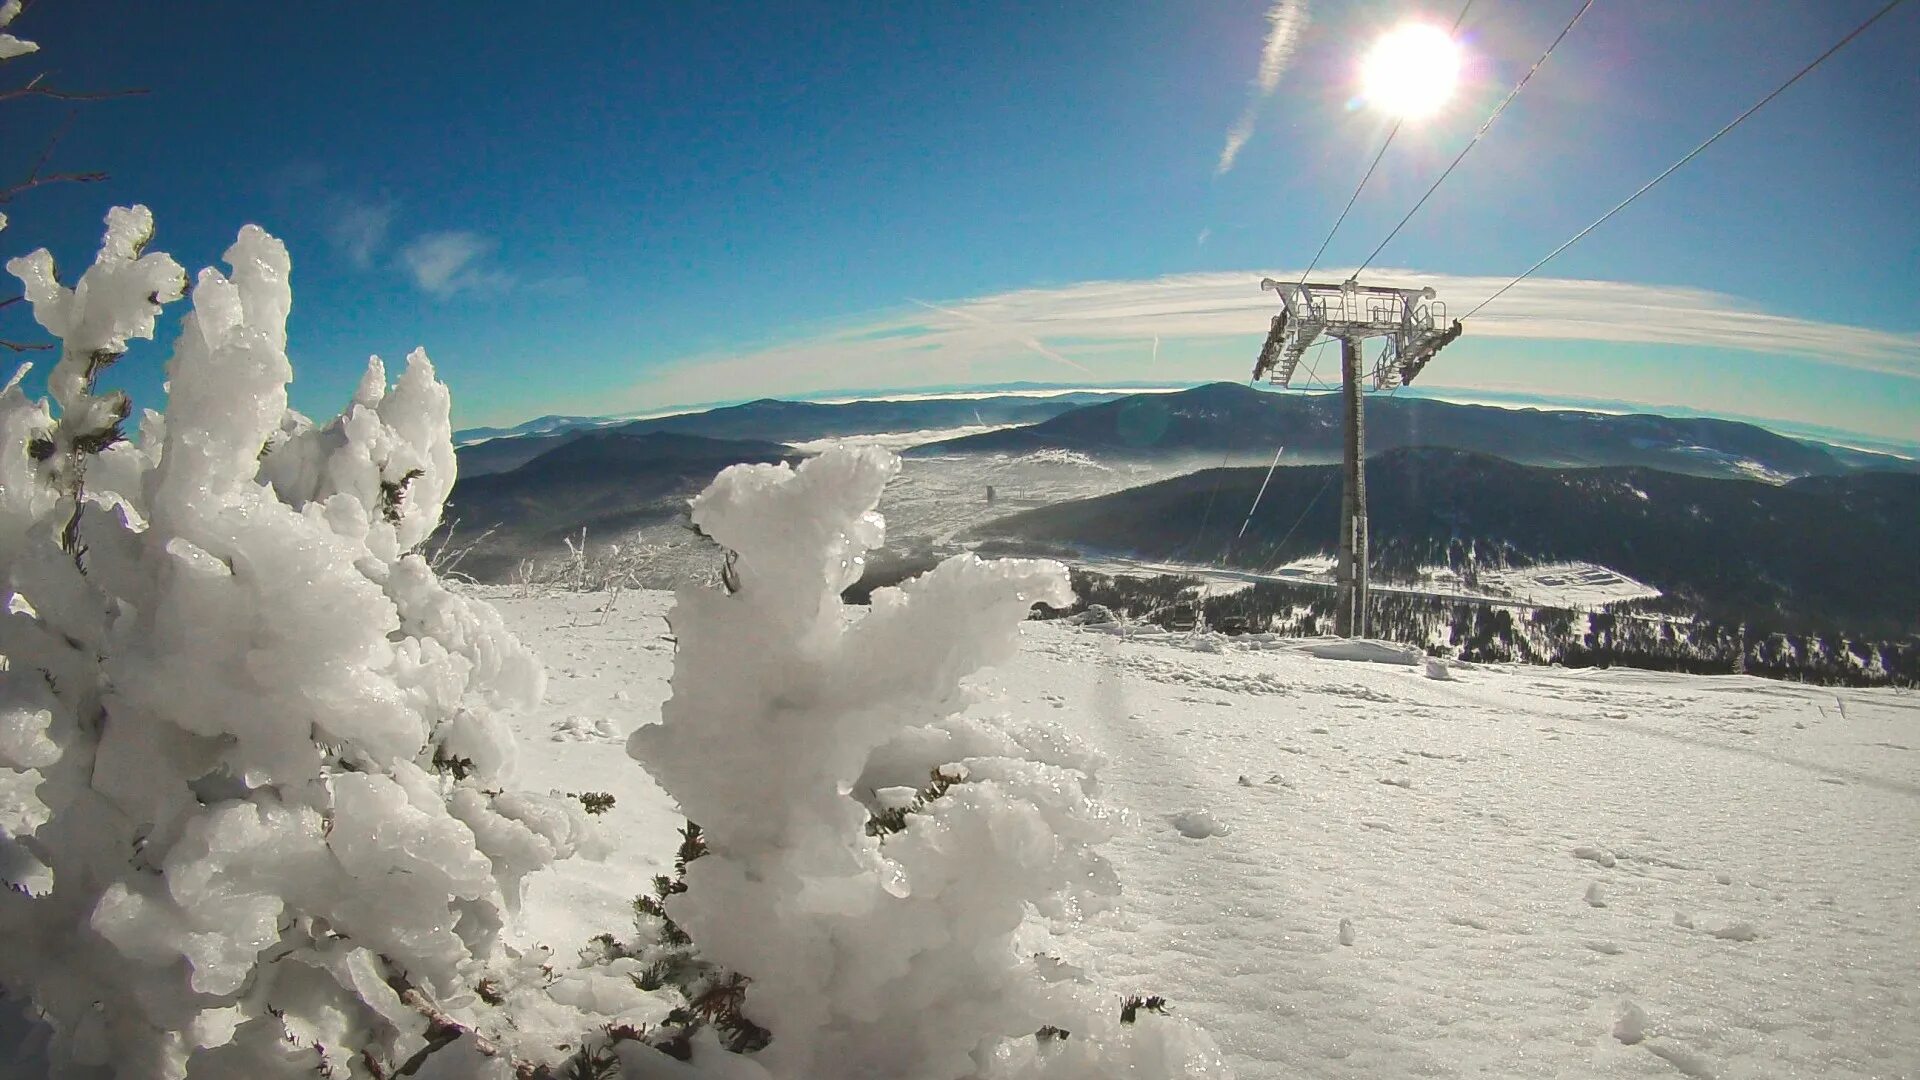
[885, 870]
[265, 833]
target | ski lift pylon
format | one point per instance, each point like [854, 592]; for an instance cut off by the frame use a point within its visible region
[1413, 322]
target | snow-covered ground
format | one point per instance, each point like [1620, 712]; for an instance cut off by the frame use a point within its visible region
[1349, 869]
[897, 440]
[1567, 584]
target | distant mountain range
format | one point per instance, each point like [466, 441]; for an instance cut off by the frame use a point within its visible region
[772, 419]
[1820, 552]
[606, 481]
[1226, 419]
[1825, 541]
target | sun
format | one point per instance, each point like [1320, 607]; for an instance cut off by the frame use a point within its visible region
[1411, 71]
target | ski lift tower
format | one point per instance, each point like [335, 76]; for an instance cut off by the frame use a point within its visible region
[1414, 325]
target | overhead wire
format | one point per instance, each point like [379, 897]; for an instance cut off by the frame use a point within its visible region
[1550, 256]
[1691, 154]
[1220, 476]
[1277, 451]
[1478, 135]
[1368, 175]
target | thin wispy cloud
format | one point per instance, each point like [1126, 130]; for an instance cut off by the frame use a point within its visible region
[1097, 327]
[358, 230]
[1286, 21]
[1025, 340]
[446, 263]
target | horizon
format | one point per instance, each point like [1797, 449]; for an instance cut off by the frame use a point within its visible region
[1846, 440]
[675, 207]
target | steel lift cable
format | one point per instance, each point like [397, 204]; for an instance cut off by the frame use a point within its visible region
[1691, 154]
[1220, 476]
[1478, 135]
[1361, 186]
[1259, 494]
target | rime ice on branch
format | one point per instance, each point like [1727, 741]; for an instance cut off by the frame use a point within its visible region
[880, 943]
[265, 740]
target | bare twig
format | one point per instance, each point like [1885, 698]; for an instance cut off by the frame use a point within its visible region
[443, 1029]
[21, 188]
[35, 89]
[37, 178]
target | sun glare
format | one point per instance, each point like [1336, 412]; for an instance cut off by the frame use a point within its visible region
[1411, 72]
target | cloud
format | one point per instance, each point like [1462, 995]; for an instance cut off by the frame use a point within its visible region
[1286, 21]
[446, 263]
[1206, 321]
[358, 230]
[1026, 341]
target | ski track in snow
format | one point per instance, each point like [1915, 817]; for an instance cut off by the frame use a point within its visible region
[1541, 872]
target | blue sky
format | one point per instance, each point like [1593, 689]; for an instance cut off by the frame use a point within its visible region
[610, 207]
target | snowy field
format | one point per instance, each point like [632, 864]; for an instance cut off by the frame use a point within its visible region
[1577, 585]
[932, 502]
[937, 498]
[1349, 869]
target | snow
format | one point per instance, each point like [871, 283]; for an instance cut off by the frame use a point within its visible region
[11, 46]
[1578, 585]
[1363, 649]
[904, 952]
[896, 440]
[253, 757]
[1473, 949]
[252, 753]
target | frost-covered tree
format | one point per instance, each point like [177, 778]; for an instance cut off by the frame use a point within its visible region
[885, 868]
[258, 744]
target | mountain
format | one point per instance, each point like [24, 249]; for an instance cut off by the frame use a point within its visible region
[1228, 419]
[540, 425]
[607, 482]
[1820, 552]
[781, 421]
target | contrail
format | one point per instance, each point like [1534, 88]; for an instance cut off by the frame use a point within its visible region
[1286, 21]
[1029, 342]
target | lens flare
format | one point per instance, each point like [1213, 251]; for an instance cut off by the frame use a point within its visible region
[1411, 72]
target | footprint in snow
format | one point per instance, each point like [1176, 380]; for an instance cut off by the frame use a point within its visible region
[1594, 855]
[1686, 1061]
[1631, 1028]
[1198, 824]
[582, 729]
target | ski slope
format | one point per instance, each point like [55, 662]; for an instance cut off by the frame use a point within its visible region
[1355, 869]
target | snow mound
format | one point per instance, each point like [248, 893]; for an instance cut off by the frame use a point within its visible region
[1363, 649]
[885, 937]
[1198, 824]
[263, 748]
[1054, 456]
